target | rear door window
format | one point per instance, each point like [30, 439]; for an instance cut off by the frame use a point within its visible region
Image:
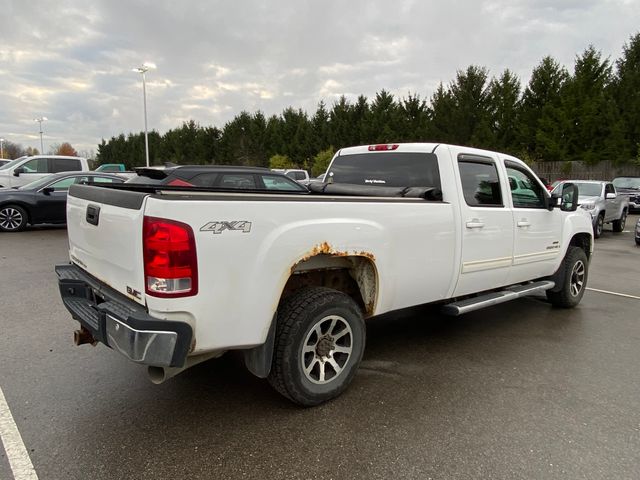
[388, 169]
[64, 165]
[237, 180]
[480, 182]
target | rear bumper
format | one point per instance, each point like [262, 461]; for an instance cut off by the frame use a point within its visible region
[121, 323]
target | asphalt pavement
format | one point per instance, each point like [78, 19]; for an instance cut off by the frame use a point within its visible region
[516, 391]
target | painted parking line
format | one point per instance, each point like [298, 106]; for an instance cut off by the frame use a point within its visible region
[613, 293]
[10, 437]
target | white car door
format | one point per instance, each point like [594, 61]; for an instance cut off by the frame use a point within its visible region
[538, 231]
[30, 171]
[487, 224]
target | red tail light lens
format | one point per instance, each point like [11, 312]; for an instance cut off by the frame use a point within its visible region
[176, 182]
[384, 147]
[170, 260]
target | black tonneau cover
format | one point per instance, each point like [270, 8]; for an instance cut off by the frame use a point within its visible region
[353, 190]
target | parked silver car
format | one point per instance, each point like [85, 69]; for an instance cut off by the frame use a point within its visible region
[603, 202]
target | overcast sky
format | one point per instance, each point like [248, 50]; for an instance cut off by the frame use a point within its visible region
[71, 61]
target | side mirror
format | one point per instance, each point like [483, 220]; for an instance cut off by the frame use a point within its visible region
[610, 196]
[569, 198]
[48, 190]
[18, 171]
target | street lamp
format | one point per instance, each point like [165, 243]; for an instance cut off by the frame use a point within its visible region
[1, 148]
[40, 120]
[144, 68]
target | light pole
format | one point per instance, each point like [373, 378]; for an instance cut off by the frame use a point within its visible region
[40, 120]
[144, 68]
[1, 147]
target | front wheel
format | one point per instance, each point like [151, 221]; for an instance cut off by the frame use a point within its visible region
[320, 338]
[12, 218]
[618, 225]
[574, 283]
[598, 226]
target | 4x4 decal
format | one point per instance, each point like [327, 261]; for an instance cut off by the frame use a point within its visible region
[219, 227]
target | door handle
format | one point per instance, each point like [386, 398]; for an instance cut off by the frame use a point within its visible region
[475, 223]
[523, 224]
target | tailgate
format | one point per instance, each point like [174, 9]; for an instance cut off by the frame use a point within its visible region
[105, 236]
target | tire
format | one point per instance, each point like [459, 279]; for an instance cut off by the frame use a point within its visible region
[312, 325]
[12, 218]
[598, 226]
[618, 225]
[576, 272]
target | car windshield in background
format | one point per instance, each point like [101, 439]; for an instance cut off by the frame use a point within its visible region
[589, 189]
[7, 166]
[36, 183]
[627, 182]
[388, 169]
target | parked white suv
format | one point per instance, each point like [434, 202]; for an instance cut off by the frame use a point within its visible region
[25, 170]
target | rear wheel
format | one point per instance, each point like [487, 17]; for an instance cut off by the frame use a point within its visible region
[618, 225]
[12, 218]
[576, 272]
[320, 337]
[599, 226]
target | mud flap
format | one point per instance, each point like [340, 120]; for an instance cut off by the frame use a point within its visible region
[258, 359]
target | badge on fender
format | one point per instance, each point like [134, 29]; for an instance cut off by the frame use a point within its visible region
[219, 227]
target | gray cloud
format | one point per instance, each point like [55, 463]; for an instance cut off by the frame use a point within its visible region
[72, 62]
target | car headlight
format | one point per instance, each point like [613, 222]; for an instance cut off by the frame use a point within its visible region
[588, 206]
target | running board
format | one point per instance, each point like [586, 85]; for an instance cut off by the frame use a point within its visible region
[494, 298]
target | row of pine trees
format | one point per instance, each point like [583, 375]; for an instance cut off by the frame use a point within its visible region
[591, 114]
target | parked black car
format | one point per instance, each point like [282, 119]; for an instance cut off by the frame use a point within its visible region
[43, 201]
[222, 177]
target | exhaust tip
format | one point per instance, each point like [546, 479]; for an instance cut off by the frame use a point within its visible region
[157, 375]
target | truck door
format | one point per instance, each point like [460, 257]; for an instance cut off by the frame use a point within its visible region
[537, 230]
[487, 224]
[612, 210]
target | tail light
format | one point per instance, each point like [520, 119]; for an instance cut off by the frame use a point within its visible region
[383, 148]
[177, 182]
[170, 260]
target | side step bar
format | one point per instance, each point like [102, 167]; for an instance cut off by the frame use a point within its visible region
[494, 298]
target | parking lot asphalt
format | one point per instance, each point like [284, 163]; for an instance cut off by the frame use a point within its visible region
[519, 390]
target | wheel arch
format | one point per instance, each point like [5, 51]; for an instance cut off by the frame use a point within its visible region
[354, 274]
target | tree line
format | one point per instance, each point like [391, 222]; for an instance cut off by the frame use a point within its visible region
[591, 114]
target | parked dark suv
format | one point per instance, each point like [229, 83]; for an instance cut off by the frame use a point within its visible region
[216, 176]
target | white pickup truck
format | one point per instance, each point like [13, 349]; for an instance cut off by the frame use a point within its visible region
[172, 276]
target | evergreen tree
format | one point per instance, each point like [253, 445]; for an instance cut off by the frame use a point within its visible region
[504, 104]
[626, 91]
[541, 127]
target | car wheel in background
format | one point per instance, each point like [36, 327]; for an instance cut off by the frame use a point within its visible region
[618, 225]
[598, 226]
[12, 218]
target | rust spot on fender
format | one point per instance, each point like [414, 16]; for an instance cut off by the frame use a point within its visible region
[325, 248]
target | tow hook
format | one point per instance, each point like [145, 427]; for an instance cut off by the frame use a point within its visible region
[82, 336]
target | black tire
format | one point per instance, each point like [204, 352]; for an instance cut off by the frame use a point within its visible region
[574, 283]
[12, 218]
[598, 226]
[618, 225]
[300, 317]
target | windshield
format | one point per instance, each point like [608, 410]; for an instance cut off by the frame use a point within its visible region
[37, 183]
[12, 163]
[589, 189]
[627, 182]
